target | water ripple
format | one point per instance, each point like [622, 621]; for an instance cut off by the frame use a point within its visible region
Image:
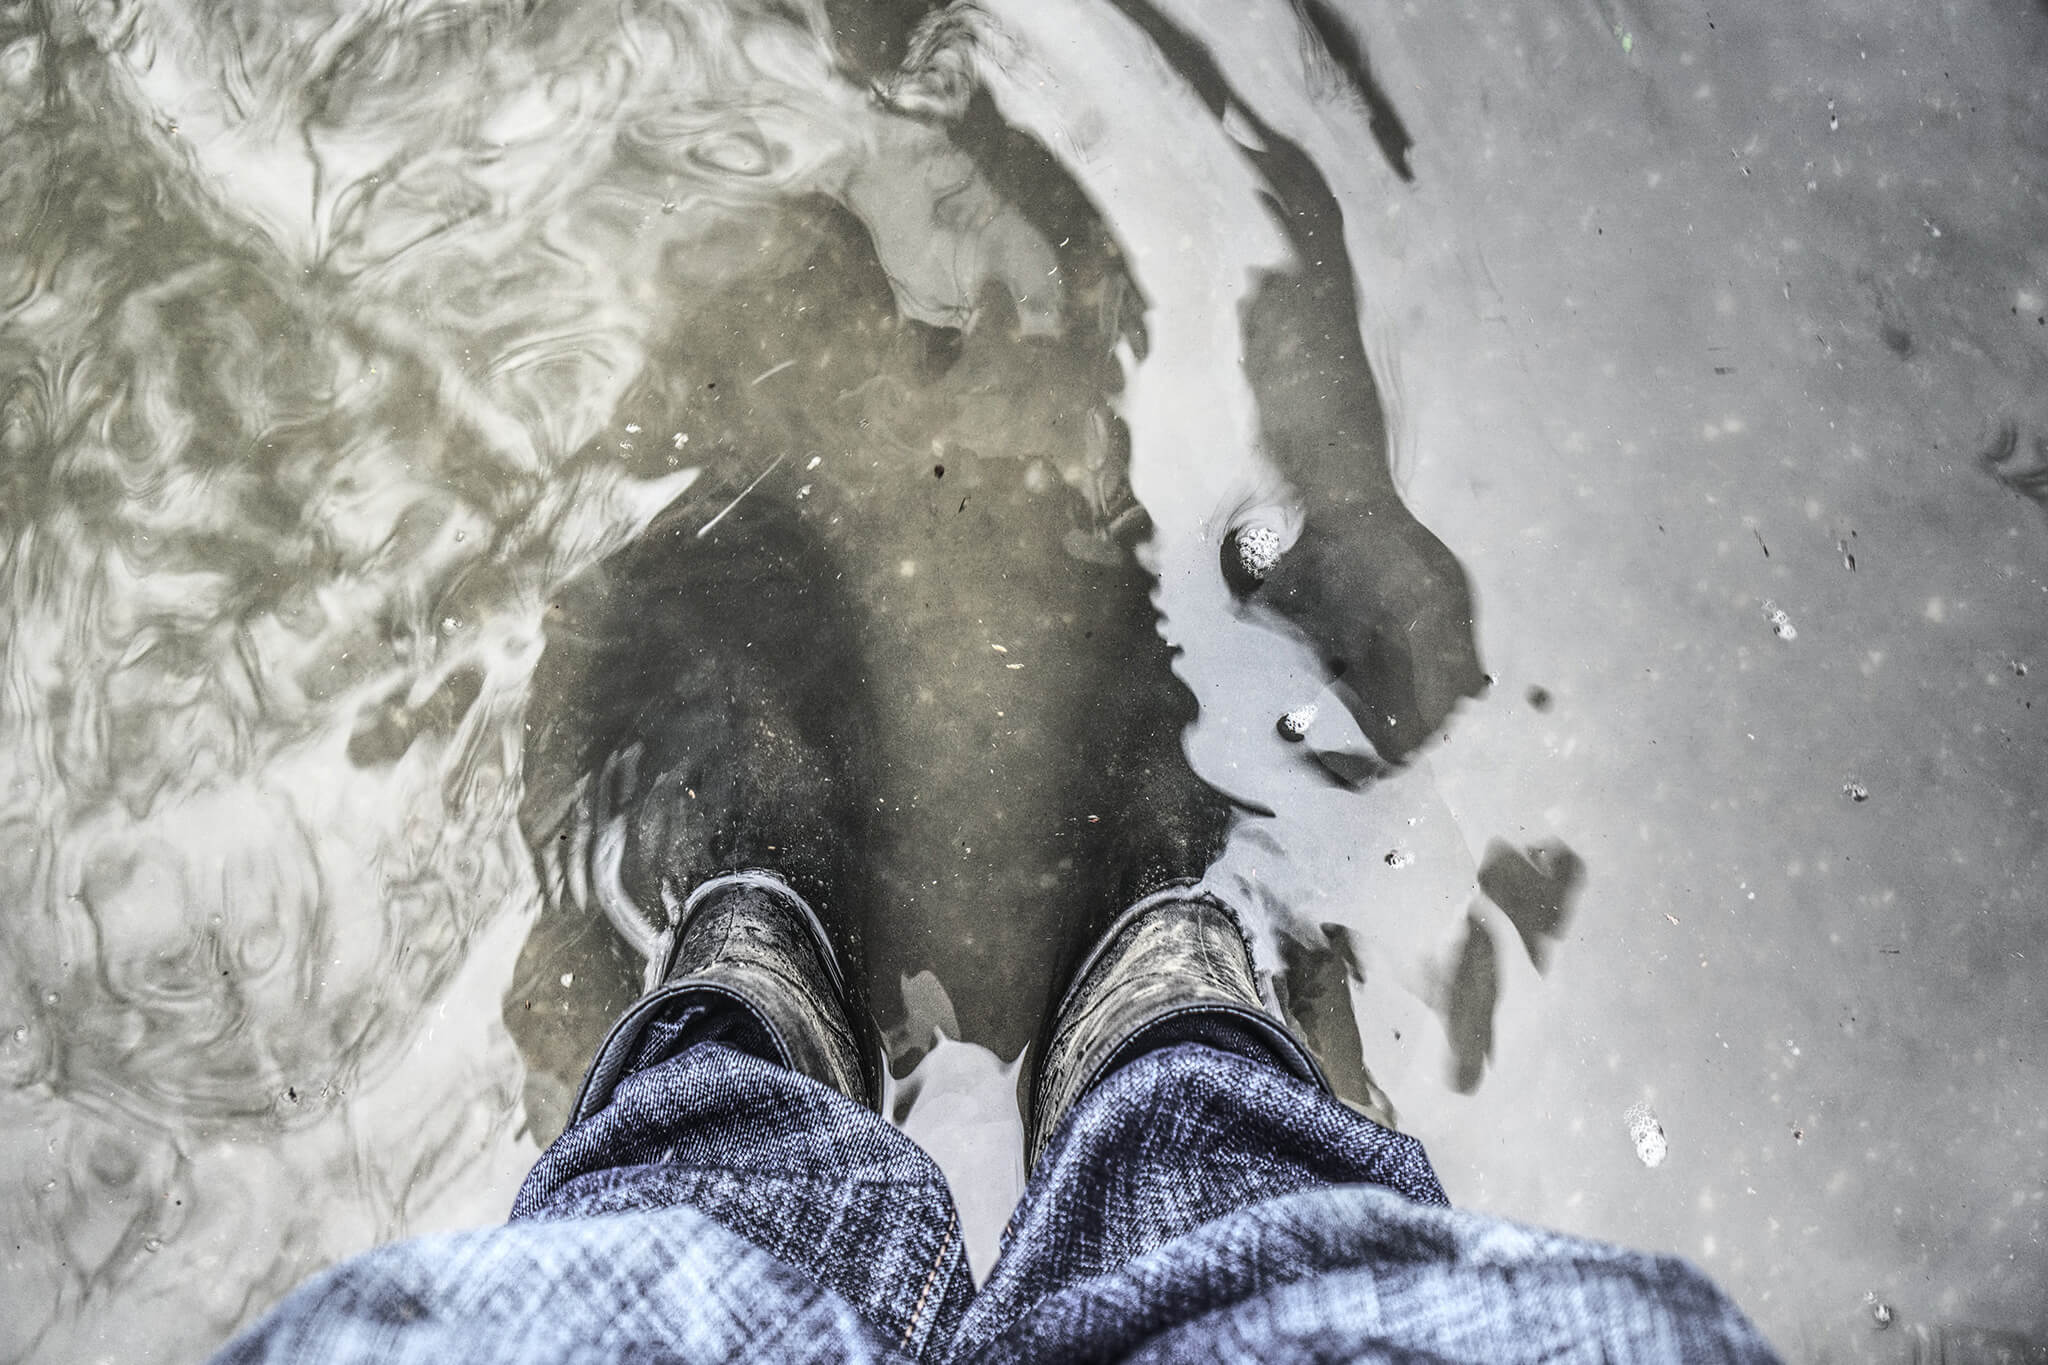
[326, 335]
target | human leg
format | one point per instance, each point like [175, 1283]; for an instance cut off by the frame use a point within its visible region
[724, 1186]
[741, 1090]
[1157, 1106]
[712, 1199]
[1199, 1193]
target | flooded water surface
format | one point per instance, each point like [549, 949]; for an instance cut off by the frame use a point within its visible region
[1546, 505]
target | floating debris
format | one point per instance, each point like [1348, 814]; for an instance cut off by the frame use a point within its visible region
[1647, 1134]
[1251, 554]
[1781, 623]
[1294, 725]
[705, 529]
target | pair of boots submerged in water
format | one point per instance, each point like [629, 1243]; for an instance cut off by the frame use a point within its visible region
[722, 694]
[1174, 968]
[726, 1190]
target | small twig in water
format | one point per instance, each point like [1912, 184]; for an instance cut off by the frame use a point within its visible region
[701, 530]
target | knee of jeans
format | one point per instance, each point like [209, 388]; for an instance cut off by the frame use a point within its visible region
[1173, 1084]
[1191, 1068]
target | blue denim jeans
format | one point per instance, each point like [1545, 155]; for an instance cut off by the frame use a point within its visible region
[1197, 1205]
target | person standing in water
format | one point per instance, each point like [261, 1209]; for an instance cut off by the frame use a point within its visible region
[727, 1188]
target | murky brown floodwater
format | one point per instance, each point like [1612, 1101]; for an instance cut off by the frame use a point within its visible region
[429, 428]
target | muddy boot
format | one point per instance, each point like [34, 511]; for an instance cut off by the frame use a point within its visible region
[1174, 968]
[750, 955]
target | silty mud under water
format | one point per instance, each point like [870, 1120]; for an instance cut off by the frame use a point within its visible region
[369, 372]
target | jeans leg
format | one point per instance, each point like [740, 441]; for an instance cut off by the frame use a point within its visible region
[718, 1207]
[819, 1182]
[1173, 1140]
[1202, 1204]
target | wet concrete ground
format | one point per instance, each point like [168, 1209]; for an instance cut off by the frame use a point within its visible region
[1651, 402]
[1746, 334]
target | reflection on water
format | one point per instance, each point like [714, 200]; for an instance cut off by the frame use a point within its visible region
[435, 435]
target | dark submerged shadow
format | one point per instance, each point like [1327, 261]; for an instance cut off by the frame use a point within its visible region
[697, 710]
[935, 521]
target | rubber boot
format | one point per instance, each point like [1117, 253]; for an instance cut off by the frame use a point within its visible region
[1174, 968]
[746, 939]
